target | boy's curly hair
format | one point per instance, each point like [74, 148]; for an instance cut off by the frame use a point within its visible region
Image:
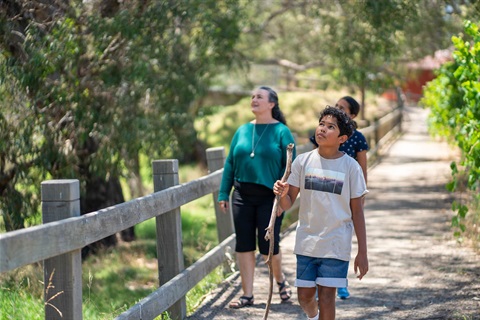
[345, 124]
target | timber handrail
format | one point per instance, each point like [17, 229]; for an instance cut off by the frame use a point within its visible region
[34, 244]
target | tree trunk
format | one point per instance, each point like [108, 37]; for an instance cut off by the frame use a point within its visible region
[135, 186]
[101, 194]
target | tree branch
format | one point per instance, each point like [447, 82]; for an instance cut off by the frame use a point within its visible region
[269, 236]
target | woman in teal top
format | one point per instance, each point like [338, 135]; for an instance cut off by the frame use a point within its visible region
[257, 159]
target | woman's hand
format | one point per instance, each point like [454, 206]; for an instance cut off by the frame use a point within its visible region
[223, 206]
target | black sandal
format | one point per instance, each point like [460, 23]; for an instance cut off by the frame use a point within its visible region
[284, 290]
[243, 301]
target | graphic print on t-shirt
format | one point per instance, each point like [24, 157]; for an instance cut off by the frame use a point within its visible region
[324, 180]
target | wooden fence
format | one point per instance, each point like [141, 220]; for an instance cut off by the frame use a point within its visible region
[64, 232]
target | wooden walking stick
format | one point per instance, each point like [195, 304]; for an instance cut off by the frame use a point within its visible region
[269, 236]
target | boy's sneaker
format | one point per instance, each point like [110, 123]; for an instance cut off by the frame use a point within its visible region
[343, 293]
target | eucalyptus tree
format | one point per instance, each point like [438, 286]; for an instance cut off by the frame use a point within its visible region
[101, 82]
[359, 44]
[363, 42]
[373, 40]
[18, 154]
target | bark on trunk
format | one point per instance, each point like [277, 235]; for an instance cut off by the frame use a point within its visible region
[101, 194]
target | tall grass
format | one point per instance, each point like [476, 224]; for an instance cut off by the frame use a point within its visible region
[19, 293]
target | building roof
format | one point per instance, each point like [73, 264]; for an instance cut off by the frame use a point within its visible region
[433, 62]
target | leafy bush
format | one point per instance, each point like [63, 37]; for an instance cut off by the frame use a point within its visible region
[454, 100]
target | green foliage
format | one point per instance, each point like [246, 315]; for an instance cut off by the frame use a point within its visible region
[454, 100]
[20, 147]
[87, 87]
[361, 41]
[359, 44]
[146, 230]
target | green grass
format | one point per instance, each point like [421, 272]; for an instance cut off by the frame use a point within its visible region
[17, 298]
[197, 294]
[21, 293]
[16, 301]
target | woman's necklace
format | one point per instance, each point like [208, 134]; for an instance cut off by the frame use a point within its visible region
[254, 146]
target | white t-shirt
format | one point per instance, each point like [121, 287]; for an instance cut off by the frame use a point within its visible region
[325, 225]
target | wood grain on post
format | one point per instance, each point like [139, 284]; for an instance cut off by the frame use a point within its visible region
[169, 233]
[62, 274]
[216, 161]
[225, 227]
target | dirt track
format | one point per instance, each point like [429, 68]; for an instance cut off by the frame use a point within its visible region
[417, 269]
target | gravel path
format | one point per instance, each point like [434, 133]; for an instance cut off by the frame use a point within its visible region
[417, 269]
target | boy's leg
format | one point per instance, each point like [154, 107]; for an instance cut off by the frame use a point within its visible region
[306, 299]
[326, 301]
[306, 286]
[333, 274]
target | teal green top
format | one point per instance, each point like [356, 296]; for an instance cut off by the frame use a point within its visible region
[268, 164]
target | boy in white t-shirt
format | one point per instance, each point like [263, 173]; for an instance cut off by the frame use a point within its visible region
[332, 186]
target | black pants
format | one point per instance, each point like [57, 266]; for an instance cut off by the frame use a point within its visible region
[252, 206]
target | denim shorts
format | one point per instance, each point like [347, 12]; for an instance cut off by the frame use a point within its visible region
[324, 272]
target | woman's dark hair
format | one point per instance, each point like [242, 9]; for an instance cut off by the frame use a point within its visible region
[353, 104]
[354, 107]
[345, 124]
[277, 114]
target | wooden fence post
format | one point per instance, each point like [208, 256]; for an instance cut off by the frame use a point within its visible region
[376, 130]
[225, 228]
[169, 233]
[400, 104]
[216, 161]
[62, 274]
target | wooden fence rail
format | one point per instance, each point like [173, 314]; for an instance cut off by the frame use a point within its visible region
[58, 241]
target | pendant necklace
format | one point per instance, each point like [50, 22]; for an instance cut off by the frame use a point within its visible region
[253, 139]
